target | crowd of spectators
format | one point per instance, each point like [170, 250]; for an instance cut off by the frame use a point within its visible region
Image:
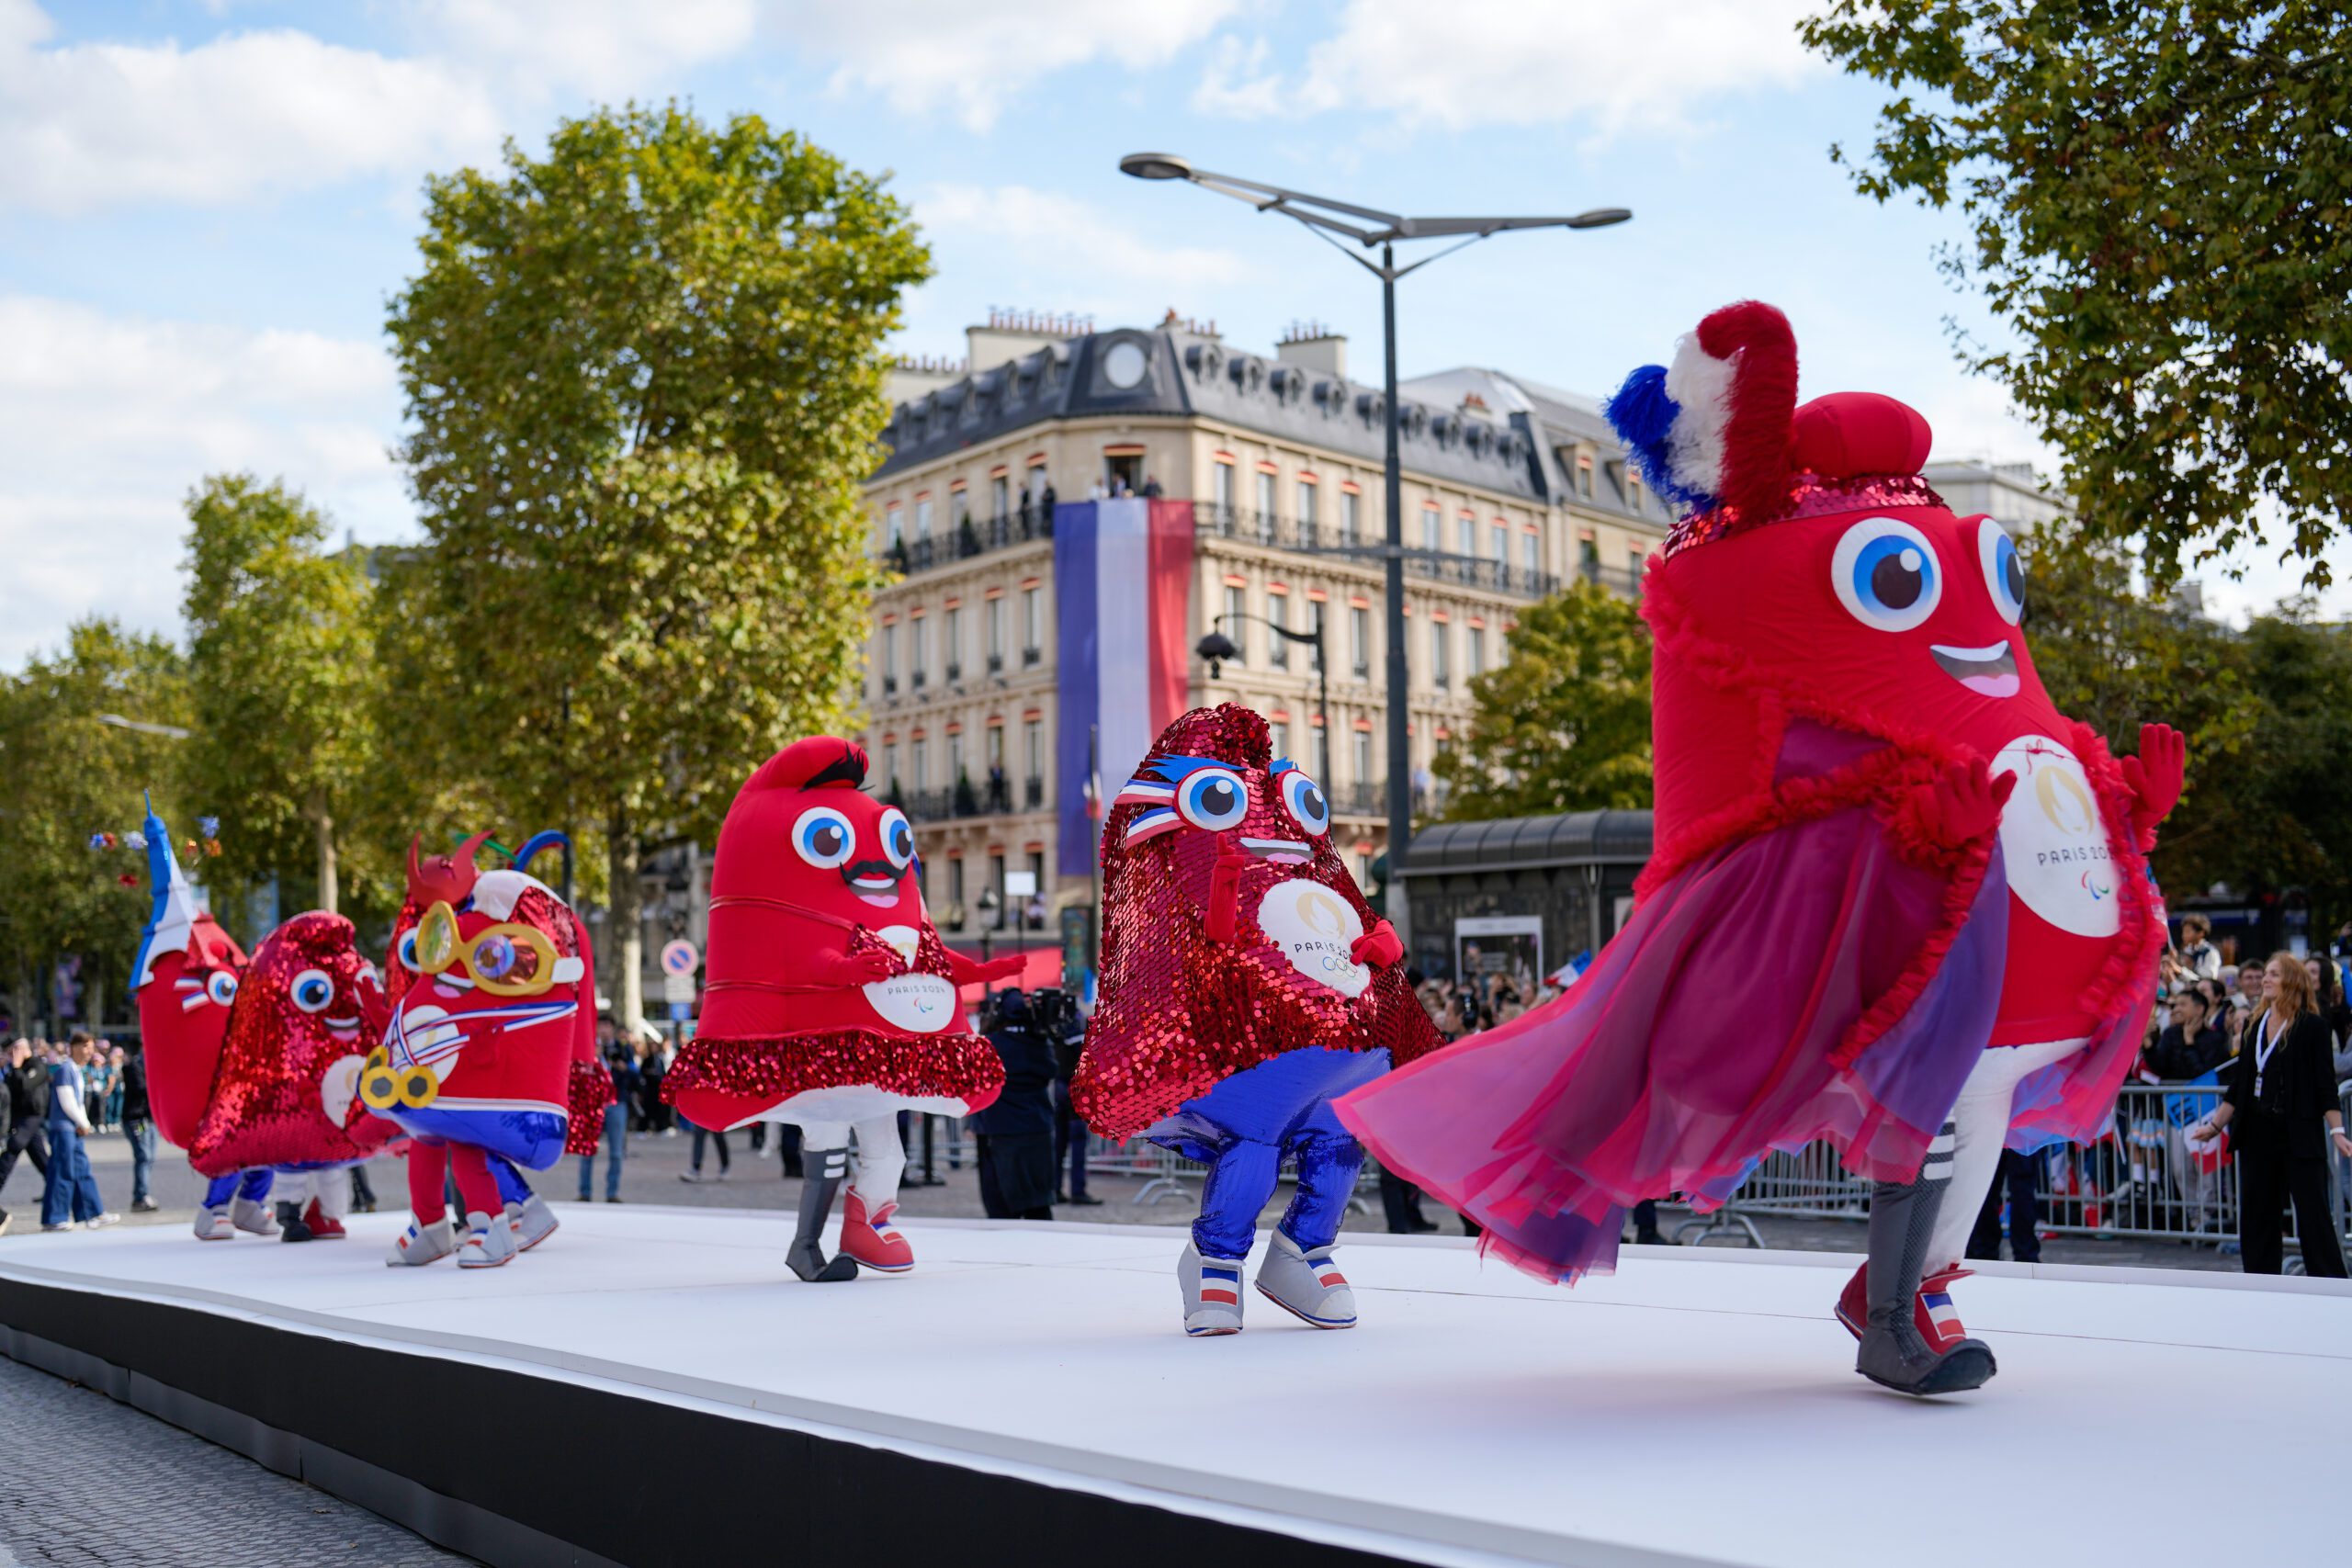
[54, 1097]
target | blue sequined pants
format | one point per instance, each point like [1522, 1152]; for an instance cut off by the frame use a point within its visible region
[1244, 1127]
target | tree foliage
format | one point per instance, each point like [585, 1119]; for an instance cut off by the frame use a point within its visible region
[2268, 712]
[282, 672]
[2160, 205]
[71, 775]
[1562, 723]
[645, 373]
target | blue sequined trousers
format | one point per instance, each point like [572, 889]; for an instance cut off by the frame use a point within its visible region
[1244, 1127]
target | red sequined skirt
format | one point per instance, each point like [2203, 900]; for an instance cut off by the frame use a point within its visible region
[720, 1083]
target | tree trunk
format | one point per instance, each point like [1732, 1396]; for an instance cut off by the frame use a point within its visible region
[329, 893]
[625, 985]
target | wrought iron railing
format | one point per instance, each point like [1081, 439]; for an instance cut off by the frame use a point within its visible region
[1243, 525]
[970, 537]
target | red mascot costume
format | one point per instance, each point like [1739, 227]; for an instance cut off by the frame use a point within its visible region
[832, 1002]
[489, 1062]
[1855, 758]
[252, 1067]
[1245, 982]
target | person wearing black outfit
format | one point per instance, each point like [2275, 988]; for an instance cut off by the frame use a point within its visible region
[26, 1093]
[1056, 1015]
[2280, 1105]
[137, 1128]
[1016, 1132]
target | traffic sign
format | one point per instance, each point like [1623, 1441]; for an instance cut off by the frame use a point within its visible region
[680, 958]
[678, 990]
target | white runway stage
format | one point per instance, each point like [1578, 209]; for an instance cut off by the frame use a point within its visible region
[1700, 1406]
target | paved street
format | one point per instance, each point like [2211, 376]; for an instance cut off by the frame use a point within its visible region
[86, 1483]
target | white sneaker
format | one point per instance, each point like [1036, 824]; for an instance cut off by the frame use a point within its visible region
[532, 1223]
[487, 1244]
[102, 1221]
[256, 1219]
[212, 1225]
[690, 1175]
[1212, 1288]
[1307, 1284]
[420, 1245]
[62, 1225]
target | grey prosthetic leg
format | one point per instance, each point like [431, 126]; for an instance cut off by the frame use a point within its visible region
[825, 1170]
[1894, 1354]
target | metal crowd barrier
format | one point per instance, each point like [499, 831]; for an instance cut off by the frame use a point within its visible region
[2142, 1180]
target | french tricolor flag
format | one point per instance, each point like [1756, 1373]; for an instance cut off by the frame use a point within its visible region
[1122, 576]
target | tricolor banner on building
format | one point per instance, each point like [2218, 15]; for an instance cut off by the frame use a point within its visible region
[1122, 577]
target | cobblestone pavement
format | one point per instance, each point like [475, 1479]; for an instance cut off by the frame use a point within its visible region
[86, 1483]
[649, 1174]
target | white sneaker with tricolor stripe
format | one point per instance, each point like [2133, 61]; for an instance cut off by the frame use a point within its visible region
[1212, 1292]
[1307, 1283]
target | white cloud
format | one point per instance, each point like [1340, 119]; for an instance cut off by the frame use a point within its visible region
[1471, 63]
[251, 114]
[605, 48]
[973, 59]
[113, 420]
[1236, 83]
[1095, 263]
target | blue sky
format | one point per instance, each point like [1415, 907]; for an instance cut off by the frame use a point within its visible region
[204, 207]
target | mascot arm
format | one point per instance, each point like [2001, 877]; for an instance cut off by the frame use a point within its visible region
[1378, 947]
[2155, 778]
[965, 970]
[868, 959]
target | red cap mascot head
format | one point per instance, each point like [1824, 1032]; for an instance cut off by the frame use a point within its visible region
[1232, 931]
[494, 1006]
[825, 972]
[186, 977]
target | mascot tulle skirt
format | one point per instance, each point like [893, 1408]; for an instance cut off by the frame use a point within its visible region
[1697, 1041]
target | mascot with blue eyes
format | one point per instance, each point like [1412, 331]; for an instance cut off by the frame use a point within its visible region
[252, 1066]
[1857, 767]
[831, 1002]
[1244, 984]
[490, 1061]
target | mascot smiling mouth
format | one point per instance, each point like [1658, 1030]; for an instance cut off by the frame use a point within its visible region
[1990, 670]
[876, 881]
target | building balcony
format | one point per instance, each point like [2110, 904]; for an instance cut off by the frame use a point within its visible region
[968, 538]
[1033, 793]
[1362, 800]
[981, 798]
[1623, 582]
[1243, 527]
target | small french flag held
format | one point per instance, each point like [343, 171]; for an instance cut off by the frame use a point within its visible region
[1123, 579]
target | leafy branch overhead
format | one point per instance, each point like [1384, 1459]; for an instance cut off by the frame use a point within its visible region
[2160, 205]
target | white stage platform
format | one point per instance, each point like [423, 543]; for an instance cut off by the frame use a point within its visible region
[1699, 1407]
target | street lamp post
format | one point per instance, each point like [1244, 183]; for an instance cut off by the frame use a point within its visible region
[1371, 227]
[1218, 648]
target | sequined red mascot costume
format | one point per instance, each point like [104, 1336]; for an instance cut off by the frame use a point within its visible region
[1898, 901]
[252, 1066]
[489, 1062]
[831, 1002]
[1245, 982]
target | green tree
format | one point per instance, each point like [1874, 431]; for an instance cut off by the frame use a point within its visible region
[645, 373]
[72, 774]
[282, 669]
[2160, 206]
[1562, 723]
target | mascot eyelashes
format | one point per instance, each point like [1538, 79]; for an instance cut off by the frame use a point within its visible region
[252, 1066]
[1855, 758]
[1245, 982]
[832, 1002]
[489, 1060]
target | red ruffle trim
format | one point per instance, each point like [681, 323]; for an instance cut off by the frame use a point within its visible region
[950, 1067]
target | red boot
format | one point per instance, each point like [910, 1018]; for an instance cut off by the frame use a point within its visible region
[875, 1243]
[1938, 1319]
[323, 1227]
